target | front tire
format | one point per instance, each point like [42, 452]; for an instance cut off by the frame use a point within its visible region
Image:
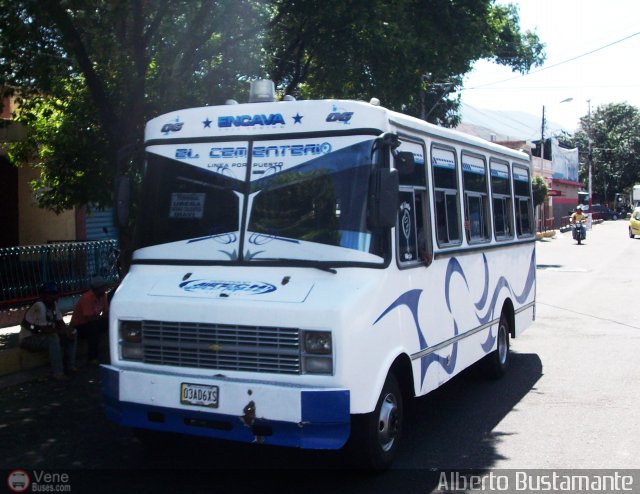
[375, 436]
[497, 362]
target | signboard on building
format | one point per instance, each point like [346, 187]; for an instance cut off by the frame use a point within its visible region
[565, 162]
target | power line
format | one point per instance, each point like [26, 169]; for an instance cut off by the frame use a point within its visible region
[501, 119]
[572, 86]
[556, 64]
[506, 123]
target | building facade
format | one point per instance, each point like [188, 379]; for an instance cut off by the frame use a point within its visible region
[22, 221]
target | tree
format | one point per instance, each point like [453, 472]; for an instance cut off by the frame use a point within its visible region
[411, 54]
[615, 133]
[540, 189]
[92, 72]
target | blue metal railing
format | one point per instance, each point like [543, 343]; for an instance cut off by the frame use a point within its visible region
[70, 264]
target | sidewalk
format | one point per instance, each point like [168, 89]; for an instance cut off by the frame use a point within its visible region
[18, 366]
[30, 367]
[41, 373]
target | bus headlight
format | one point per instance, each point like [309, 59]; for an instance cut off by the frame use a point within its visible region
[317, 352]
[131, 340]
[318, 342]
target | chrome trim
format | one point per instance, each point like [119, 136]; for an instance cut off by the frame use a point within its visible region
[222, 347]
[451, 341]
[525, 307]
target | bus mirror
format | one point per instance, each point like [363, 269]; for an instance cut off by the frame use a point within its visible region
[390, 139]
[383, 198]
[123, 191]
[404, 162]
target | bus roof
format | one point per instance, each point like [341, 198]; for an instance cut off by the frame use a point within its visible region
[306, 116]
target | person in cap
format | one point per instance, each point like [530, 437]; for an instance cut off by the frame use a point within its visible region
[90, 316]
[578, 215]
[44, 329]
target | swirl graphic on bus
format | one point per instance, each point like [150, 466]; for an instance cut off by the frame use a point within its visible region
[485, 310]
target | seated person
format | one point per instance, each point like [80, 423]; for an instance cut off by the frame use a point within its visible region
[44, 329]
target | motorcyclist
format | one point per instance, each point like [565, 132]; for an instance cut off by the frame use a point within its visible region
[578, 218]
[578, 215]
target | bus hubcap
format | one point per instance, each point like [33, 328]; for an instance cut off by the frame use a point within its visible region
[388, 422]
[502, 345]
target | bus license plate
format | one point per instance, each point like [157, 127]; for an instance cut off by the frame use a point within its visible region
[199, 395]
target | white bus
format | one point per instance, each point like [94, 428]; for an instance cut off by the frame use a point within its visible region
[303, 267]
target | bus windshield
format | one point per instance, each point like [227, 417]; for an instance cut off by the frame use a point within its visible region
[259, 201]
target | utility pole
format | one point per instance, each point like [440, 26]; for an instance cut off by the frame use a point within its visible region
[541, 207]
[590, 154]
[542, 141]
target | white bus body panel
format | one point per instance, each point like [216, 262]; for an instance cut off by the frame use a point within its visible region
[441, 318]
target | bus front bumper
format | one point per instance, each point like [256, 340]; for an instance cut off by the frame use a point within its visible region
[245, 411]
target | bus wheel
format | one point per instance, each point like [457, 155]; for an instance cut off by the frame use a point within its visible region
[497, 362]
[375, 436]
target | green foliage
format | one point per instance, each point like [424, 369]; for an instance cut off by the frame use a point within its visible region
[615, 133]
[540, 189]
[66, 142]
[411, 54]
[92, 72]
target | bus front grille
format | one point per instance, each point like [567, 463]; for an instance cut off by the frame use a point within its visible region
[222, 347]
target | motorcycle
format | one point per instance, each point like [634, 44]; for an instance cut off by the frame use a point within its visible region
[579, 231]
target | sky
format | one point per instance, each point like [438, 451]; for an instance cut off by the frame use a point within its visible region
[579, 64]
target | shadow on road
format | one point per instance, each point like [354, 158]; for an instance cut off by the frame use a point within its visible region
[453, 427]
[62, 427]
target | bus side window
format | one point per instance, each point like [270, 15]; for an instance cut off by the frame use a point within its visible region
[476, 201]
[445, 192]
[523, 202]
[413, 233]
[413, 239]
[501, 199]
[407, 228]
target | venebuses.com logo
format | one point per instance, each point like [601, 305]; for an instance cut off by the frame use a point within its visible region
[38, 481]
[18, 481]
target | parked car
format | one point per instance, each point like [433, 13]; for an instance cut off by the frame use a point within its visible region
[603, 212]
[634, 223]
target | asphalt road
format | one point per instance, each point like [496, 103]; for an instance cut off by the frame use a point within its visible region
[584, 411]
[570, 400]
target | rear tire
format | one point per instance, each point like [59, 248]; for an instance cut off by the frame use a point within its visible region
[375, 436]
[497, 362]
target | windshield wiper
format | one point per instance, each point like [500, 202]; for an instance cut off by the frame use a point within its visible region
[298, 262]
